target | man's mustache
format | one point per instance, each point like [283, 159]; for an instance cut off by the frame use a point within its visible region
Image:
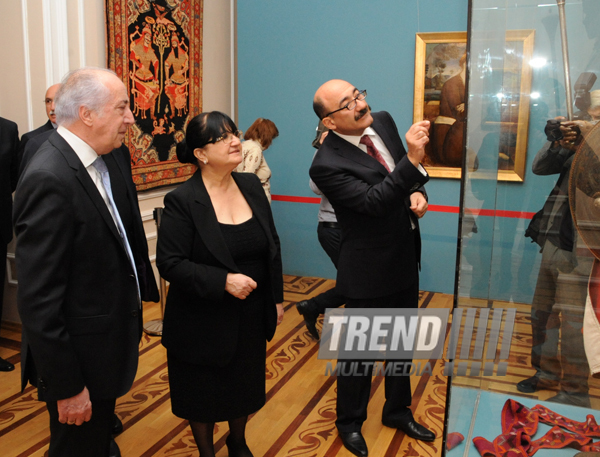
[361, 113]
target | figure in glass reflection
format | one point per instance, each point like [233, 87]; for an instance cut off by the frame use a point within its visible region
[449, 125]
[561, 290]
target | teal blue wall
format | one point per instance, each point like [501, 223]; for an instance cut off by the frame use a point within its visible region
[286, 50]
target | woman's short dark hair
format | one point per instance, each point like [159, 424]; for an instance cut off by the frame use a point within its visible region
[203, 129]
[263, 131]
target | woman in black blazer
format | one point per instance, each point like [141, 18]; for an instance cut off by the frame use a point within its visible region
[219, 249]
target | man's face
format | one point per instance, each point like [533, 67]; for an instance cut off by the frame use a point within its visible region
[49, 101]
[337, 94]
[110, 124]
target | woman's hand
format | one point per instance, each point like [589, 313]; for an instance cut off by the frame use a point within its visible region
[279, 307]
[239, 285]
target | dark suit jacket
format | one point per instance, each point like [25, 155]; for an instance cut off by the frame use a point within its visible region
[47, 127]
[379, 250]
[191, 253]
[27, 151]
[9, 144]
[77, 294]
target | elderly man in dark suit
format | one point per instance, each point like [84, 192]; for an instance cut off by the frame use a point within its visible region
[9, 144]
[375, 188]
[83, 264]
[49, 101]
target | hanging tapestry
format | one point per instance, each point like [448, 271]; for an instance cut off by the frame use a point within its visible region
[155, 46]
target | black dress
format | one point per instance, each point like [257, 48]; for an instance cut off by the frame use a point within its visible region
[211, 393]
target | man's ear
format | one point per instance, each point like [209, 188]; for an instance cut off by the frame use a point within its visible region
[329, 123]
[86, 115]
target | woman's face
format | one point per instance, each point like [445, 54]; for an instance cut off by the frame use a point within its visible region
[225, 154]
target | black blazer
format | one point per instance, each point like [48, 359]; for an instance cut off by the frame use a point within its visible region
[77, 294]
[191, 253]
[47, 127]
[379, 252]
[33, 144]
[9, 144]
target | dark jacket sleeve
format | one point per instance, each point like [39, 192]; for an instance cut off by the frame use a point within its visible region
[44, 254]
[174, 252]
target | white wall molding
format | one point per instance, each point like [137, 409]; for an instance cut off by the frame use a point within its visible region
[81, 29]
[156, 193]
[56, 39]
[27, 58]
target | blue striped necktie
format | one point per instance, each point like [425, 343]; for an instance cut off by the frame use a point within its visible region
[101, 167]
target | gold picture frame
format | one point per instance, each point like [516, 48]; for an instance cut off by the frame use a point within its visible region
[439, 96]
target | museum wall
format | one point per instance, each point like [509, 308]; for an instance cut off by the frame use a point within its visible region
[286, 50]
[44, 39]
[309, 42]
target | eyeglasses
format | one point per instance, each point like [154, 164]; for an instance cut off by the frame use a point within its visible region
[362, 94]
[227, 137]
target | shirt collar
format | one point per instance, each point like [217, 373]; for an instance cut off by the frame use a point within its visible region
[83, 150]
[355, 139]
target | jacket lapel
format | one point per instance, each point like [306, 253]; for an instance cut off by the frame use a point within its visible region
[351, 152]
[86, 182]
[207, 225]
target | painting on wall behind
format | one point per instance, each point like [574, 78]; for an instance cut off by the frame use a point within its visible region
[440, 81]
[155, 46]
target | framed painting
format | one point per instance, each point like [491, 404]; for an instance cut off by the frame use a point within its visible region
[439, 96]
[155, 47]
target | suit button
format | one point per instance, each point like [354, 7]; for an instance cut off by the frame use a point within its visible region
[134, 313]
[132, 277]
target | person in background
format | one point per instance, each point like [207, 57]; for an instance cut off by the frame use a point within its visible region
[9, 144]
[259, 137]
[329, 234]
[49, 101]
[218, 247]
[561, 290]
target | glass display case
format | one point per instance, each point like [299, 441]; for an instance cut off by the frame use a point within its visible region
[520, 376]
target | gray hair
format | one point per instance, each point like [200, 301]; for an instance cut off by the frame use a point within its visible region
[81, 87]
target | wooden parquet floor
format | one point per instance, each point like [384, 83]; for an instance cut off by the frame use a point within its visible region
[299, 417]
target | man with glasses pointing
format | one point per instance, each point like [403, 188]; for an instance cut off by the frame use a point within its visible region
[376, 189]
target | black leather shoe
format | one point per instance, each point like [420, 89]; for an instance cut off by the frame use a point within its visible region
[310, 314]
[237, 449]
[5, 365]
[355, 443]
[413, 429]
[535, 383]
[117, 425]
[114, 449]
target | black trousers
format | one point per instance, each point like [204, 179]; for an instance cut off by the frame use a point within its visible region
[557, 319]
[91, 439]
[353, 391]
[3, 250]
[329, 238]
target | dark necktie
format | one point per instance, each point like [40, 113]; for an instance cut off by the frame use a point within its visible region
[372, 151]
